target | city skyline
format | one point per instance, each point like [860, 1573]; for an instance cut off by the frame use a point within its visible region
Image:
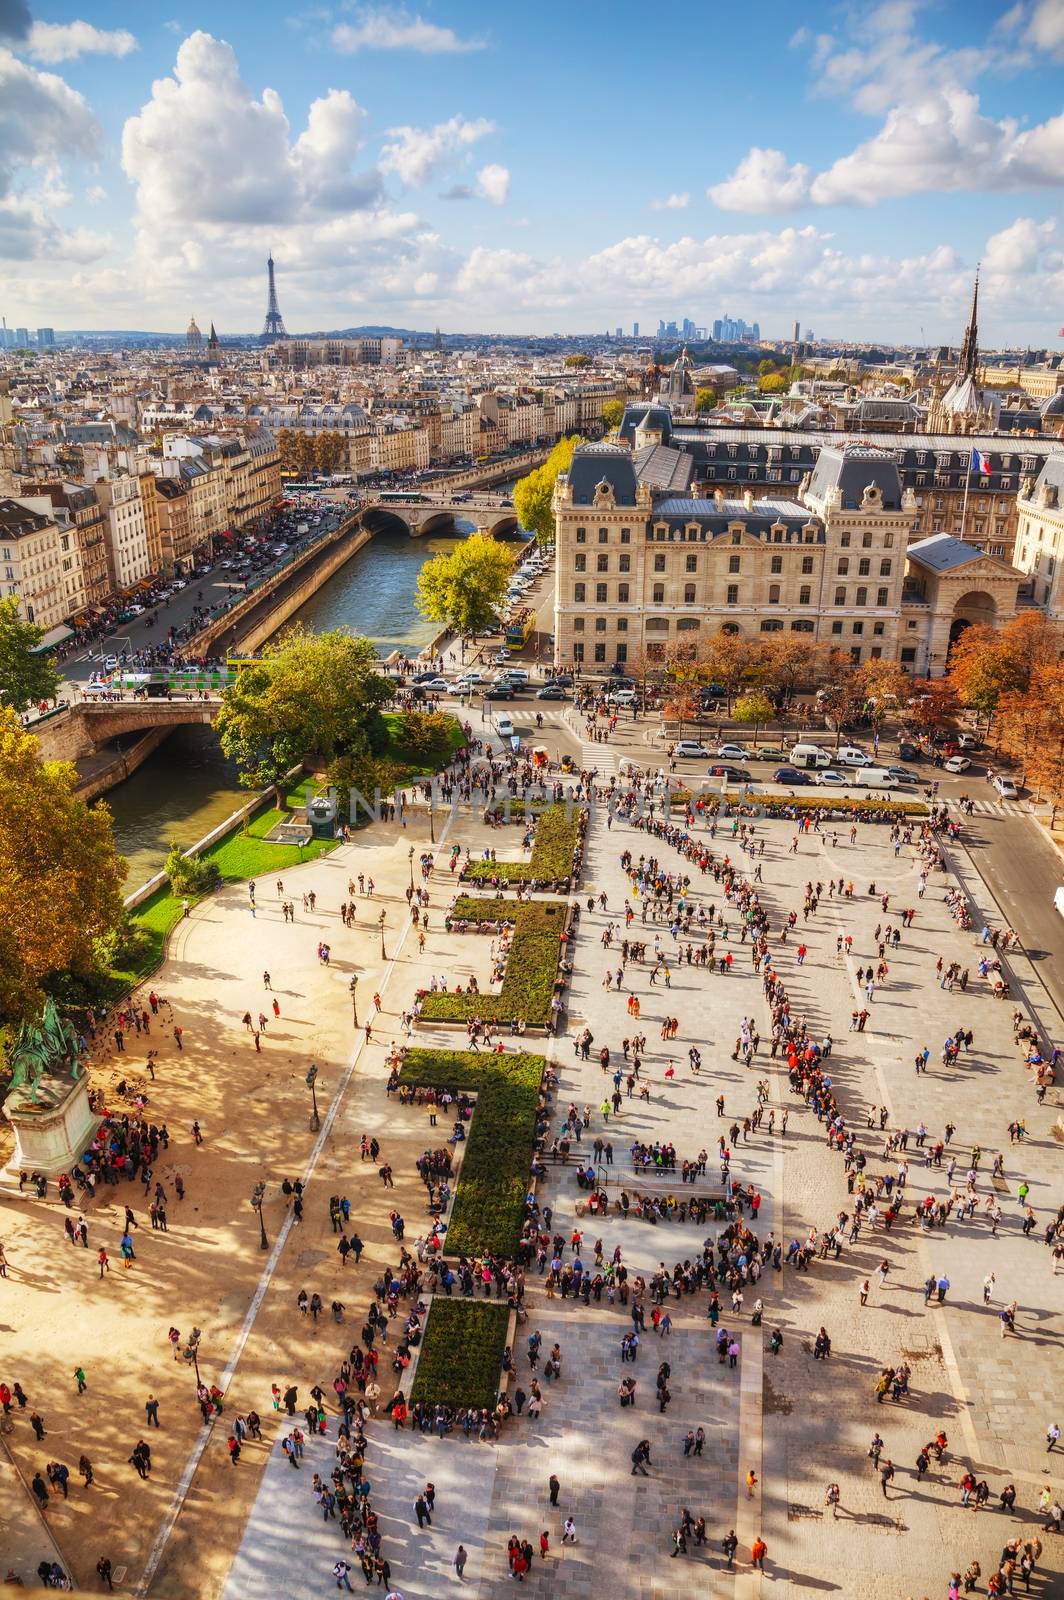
[398, 165]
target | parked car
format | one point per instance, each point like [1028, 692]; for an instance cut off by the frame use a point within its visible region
[733, 774]
[689, 747]
[436, 684]
[958, 763]
[733, 752]
[1006, 789]
[908, 751]
[769, 752]
[499, 691]
[967, 741]
[792, 777]
[832, 778]
[551, 691]
[626, 697]
[903, 774]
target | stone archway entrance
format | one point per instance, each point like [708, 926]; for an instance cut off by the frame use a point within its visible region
[971, 609]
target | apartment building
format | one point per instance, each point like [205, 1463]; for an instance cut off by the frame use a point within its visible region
[127, 533]
[1040, 536]
[31, 562]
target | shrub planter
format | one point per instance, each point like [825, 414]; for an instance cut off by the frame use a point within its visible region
[556, 859]
[528, 986]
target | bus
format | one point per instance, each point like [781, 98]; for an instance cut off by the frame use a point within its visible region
[406, 495]
[519, 627]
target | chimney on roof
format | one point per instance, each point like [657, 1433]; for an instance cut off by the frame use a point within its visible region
[748, 499]
[718, 496]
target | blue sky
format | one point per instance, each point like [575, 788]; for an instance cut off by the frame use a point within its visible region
[537, 168]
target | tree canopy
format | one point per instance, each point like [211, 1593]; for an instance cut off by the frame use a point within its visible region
[578, 361]
[310, 694]
[60, 874]
[772, 383]
[705, 398]
[534, 492]
[464, 589]
[986, 662]
[25, 678]
[612, 412]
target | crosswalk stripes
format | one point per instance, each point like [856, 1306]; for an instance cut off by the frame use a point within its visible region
[998, 808]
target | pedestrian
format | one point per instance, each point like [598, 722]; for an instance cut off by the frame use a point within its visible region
[340, 1572]
[758, 1552]
[568, 1531]
[151, 1411]
[751, 1483]
[554, 1486]
[103, 1571]
[886, 1475]
[459, 1559]
[79, 1379]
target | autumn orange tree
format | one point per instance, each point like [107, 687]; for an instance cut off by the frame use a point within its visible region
[1031, 730]
[987, 663]
[732, 661]
[60, 874]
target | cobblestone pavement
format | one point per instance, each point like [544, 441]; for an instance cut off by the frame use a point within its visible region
[798, 1423]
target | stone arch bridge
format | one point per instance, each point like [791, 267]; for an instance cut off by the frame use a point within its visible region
[83, 729]
[439, 516]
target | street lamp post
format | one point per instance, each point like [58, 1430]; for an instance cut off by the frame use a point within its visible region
[312, 1075]
[432, 820]
[410, 864]
[381, 919]
[353, 986]
[257, 1196]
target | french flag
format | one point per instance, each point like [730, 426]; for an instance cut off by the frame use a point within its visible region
[980, 463]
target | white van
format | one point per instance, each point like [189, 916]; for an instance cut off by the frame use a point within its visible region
[504, 727]
[850, 756]
[874, 778]
[808, 755]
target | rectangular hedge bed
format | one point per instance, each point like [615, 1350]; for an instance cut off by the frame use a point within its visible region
[493, 1179]
[556, 849]
[531, 968]
[461, 1353]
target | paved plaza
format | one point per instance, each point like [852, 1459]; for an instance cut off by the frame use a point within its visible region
[199, 1526]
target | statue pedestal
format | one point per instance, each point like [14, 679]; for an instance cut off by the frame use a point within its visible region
[51, 1133]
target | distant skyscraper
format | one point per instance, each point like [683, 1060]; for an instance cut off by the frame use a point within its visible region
[274, 327]
[193, 337]
[22, 337]
[755, 333]
[796, 330]
[810, 335]
[688, 328]
[620, 333]
[717, 330]
[661, 328]
[45, 337]
[635, 330]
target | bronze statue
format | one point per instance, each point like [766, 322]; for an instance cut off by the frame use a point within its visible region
[45, 1047]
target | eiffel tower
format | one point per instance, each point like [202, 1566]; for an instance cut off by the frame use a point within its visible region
[274, 327]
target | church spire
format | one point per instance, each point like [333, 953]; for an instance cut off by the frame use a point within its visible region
[970, 347]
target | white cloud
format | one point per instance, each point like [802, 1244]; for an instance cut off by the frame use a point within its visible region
[42, 119]
[417, 154]
[764, 180]
[1019, 247]
[457, 191]
[493, 183]
[1045, 28]
[672, 202]
[203, 149]
[399, 30]
[96, 194]
[65, 41]
[939, 143]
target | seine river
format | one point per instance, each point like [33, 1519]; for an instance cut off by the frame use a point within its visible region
[187, 787]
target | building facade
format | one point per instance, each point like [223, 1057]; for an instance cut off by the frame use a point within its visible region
[646, 570]
[31, 561]
[1040, 537]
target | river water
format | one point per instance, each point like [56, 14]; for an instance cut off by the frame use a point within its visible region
[188, 787]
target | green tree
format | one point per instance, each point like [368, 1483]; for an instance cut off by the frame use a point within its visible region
[772, 383]
[578, 361]
[534, 492]
[612, 412]
[465, 589]
[765, 367]
[25, 678]
[190, 874]
[330, 450]
[60, 874]
[754, 710]
[314, 694]
[705, 399]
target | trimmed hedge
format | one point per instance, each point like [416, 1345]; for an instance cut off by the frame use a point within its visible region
[531, 967]
[822, 800]
[559, 833]
[493, 1179]
[461, 1353]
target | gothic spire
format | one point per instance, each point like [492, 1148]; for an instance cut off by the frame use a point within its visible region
[970, 347]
